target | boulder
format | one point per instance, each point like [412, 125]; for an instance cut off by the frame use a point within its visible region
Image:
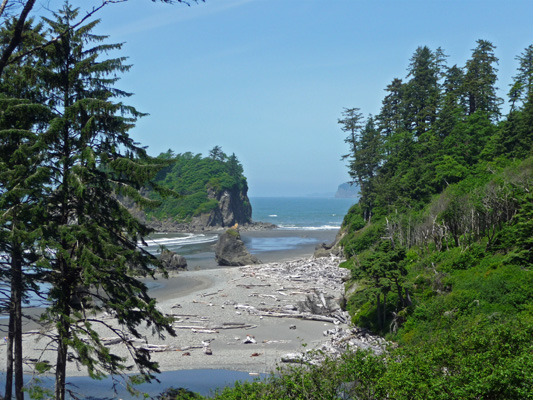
[332, 249]
[173, 261]
[231, 251]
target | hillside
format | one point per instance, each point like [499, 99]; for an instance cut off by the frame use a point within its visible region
[440, 245]
[213, 192]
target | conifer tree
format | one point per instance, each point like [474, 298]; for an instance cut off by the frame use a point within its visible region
[480, 80]
[93, 256]
[22, 186]
[422, 91]
[523, 81]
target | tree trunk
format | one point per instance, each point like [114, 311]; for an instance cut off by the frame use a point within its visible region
[408, 301]
[63, 329]
[384, 308]
[9, 352]
[400, 295]
[17, 325]
[378, 301]
[61, 367]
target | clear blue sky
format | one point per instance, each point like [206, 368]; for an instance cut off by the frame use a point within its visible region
[268, 79]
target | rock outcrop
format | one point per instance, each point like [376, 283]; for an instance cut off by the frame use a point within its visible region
[231, 251]
[347, 191]
[173, 261]
[233, 208]
[331, 249]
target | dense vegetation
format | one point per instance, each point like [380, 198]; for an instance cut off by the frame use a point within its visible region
[440, 244]
[199, 180]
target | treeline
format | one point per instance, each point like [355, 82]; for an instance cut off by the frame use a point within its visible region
[198, 180]
[66, 158]
[440, 244]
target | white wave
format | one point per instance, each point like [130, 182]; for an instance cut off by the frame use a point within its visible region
[273, 215]
[181, 240]
[309, 228]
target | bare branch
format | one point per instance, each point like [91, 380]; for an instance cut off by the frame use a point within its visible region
[3, 7]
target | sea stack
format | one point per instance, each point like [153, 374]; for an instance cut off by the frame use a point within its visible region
[231, 251]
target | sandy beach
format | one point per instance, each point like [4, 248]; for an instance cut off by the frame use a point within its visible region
[225, 310]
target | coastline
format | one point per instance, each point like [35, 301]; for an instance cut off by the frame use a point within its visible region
[213, 297]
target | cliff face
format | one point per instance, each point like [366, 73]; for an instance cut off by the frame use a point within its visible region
[233, 208]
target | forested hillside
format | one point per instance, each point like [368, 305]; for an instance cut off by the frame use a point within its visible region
[440, 245]
[204, 184]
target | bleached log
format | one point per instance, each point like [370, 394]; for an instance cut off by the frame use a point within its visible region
[108, 341]
[210, 294]
[252, 285]
[309, 317]
[292, 358]
[182, 315]
[156, 348]
[204, 331]
[188, 327]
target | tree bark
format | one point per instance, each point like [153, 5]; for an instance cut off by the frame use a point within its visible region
[16, 294]
[9, 354]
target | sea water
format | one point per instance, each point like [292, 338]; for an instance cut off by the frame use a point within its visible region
[299, 220]
[301, 213]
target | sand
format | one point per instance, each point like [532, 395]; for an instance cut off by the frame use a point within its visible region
[206, 299]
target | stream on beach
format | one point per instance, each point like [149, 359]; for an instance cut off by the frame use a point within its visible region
[204, 382]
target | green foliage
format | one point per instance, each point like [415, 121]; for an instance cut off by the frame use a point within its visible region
[453, 195]
[178, 394]
[199, 181]
[362, 239]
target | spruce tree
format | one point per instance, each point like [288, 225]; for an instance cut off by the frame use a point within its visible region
[93, 256]
[480, 80]
[22, 186]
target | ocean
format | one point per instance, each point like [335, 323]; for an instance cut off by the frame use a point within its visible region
[301, 213]
[303, 222]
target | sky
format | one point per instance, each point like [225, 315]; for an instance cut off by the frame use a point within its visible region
[269, 79]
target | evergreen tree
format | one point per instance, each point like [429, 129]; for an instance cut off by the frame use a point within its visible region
[523, 81]
[93, 258]
[351, 123]
[452, 108]
[391, 116]
[22, 185]
[422, 91]
[480, 80]
[217, 154]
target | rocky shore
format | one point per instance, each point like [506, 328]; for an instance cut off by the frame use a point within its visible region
[248, 318]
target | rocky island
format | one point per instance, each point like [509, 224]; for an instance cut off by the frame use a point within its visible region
[211, 194]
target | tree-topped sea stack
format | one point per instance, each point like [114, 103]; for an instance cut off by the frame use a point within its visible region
[213, 189]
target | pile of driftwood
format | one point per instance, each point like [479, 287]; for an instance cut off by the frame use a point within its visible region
[322, 273]
[339, 341]
[320, 281]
